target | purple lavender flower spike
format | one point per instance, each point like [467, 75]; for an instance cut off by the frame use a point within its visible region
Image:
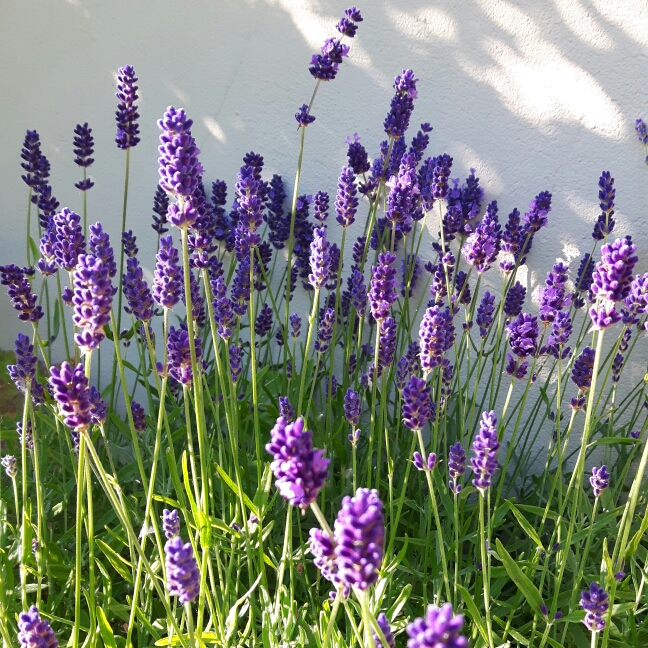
[416, 403]
[358, 291]
[126, 114]
[359, 535]
[599, 480]
[358, 250]
[98, 409]
[160, 209]
[20, 293]
[536, 217]
[482, 246]
[29, 436]
[584, 369]
[69, 241]
[295, 325]
[137, 292]
[515, 300]
[286, 409]
[323, 549]
[320, 259]
[456, 466]
[69, 388]
[485, 312]
[352, 408]
[595, 603]
[612, 277]
[235, 362]
[92, 301]
[402, 104]
[168, 282]
[263, 323]
[139, 416]
[357, 155]
[636, 302]
[617, 366]
[553, 297]
[303, 116]
[403, 190]
[171, 523]
[383, 623]
[523, 334]
[561, 329]
[583, 280]
[183, 575]
[485, 447]
[179, 355]
[320, 206]
[346, 199]
[23, 373]
[83, 149]
[99, 246]
[436, 335]
[512, 239]
[383, 286]
[439, 628]
[605, 223]
[35, 632]
[47, 264]
[325, 331]
[31, 156]
[10, 465]
[129, 243]
[387, 341]
[640, 128]
[604, 315]
[300, 471]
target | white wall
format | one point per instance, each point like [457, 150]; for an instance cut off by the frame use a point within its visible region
[535, 95]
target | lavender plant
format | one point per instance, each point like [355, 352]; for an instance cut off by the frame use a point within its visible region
[247, 408]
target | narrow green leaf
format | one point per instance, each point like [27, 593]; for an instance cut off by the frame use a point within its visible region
[104, 628]
[525, 524]
[228, 480]
[120, 564]
[473, 611]
[523, 582]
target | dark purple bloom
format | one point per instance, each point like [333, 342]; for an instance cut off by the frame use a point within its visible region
[303, 116]
[552, 298]
[358, 250]
[599, 480]
[31, 156]
[236, 362]
[515, 299]
[485, 447]
[300, 471]
[436, 336]
[222, 305]
[612, 277]
[346, 200]
[383, 286]
[126, 114]
[416, 403]
[160, 209]
[320, 259]
[352, 407]
[440, 175]
[515, 368]
[35, 632]
[641, 130]
[137, 292]
[183, 575]
[561, 329]
[383, 623]
[439, 628]
[617, 366]
[92, 301]
[387, 342]
[139, 416]
[167, 283]
[402, 104]
[536, 217]
[584, 275]
[358, 291]
[420, 142]
[83, 149]
[605, 223]
[99, 245]
[251, 192]
[347, 25]
[482, 246]
[403, 189]
[604, 315]
[320, 206]
[295, 325]
[170, 523]
[129, 243]
[456, 466]
[286, 409]
[98, 408]
[325, 331]
[462, 288]
[595, 603]
[523, 334]
[23, 373]
[357, 155]
[583, 369]
[69, 388]
[20, 293]
[179, 355]
[263, 323]
[69, 241]
[10, 465]
[359, 535]
[485, 312]
[179, 167]
[419, 464]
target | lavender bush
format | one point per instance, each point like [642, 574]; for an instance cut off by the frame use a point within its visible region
[169, 520]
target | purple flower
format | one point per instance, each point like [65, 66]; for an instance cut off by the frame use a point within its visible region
[179, 355]
[23, 373]
[179, 167]
[612, 278]
[640, 128]
[83, 149]
[584, 277]
[604, 315]
[286, 409]
[357, 155]
[422, 465]
[235, 362]
[358, 250]
[439, 628]
[167, 283]
[383, 624]
[515, 368]
[352, 407]
[595, 603]
[599, 480]
[605, 223]
[137, 292]
[358, 291]
[456, 466]
[584, 369]
[69, 388]
[320, 259]
[98, 409]
[323, 549]
[387, 341]
[561, 329]
[35, 632]
[20, 293]
[10, 465]
[170, 523]
[552, 298]
[402, 104]
[31, 156]
[92, 301]
[485, 312]
[440, 174]
[320, 206]
[29, 436]
[359, 535]
[129, 243]
[617, 366]
[515, 299]
[251, 192]
[300, 471]
[536, 217]
[303, 116]
[295, 325]
[637, 300]
[436, 335]
[523, 334]
[160, 209]
[346, 200]
[462, 288]
[347, 25]
[403, 189]
[99, 245]
[139, 416]
[69, 241]
[263, 322]
[183, 575]
[482, 246]
[325, 331]
[485, 447]
[512, 239]
[126, 114]
[416, 403]
[383, 286]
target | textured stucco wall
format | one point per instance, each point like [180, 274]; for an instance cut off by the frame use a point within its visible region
[534, 95]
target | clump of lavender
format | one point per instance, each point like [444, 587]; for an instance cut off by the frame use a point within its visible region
[359, 535]
[160, 208]
[439, 628]
[485, 447]
[183, 575]
[553, 297]
[69, 388]
[402, 104]
[514, 300]
[126, 114]
[129, 243]
[582, 374]
[236, 361]
[595, 603]
[421, 465]
[456, 466]
[83, 149]
[303, 116]
[99, 245]
[357, 155]
[403, 190]
[599, 480]
[323, 549]
[300, 470]
[286, 409]
[35, 632]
